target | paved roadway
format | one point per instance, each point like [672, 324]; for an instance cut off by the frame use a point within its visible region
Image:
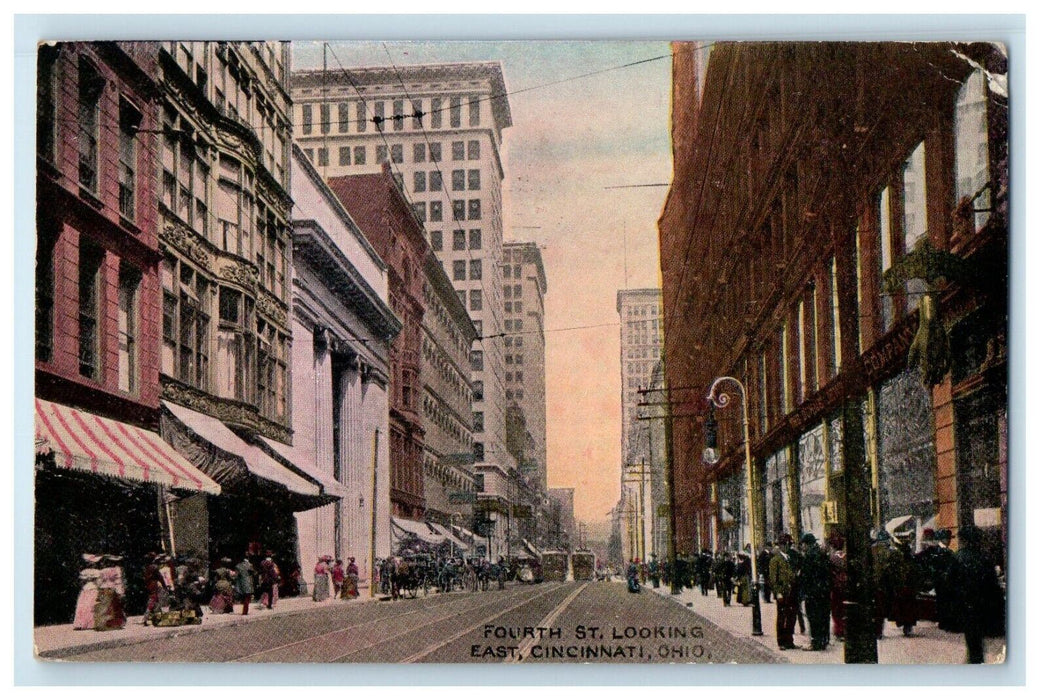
[596, 622]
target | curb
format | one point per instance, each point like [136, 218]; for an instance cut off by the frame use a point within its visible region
[57, 653]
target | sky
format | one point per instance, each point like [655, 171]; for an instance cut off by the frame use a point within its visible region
[568, 143]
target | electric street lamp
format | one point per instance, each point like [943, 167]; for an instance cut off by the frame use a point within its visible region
[712, 456]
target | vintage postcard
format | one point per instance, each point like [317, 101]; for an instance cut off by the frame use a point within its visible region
[522, 352]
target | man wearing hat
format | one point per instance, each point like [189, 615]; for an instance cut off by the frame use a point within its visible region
[882, 592]
[244, 585]
[781, 579]
[815, 585]
[904, 577]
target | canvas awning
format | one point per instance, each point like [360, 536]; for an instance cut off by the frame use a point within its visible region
[449, 536]
[896, 523]
[290, 455]
[402, 527]
[232, 461]
[531, 548]
[88, 442]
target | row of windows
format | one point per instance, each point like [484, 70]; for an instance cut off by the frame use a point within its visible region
[433, 181]
[511, 359]
[643, 339]
[644, 310]
[92, 346]
[458, 270]
[637, 353]
[514, 307]
[438, 361]
[403, 114]
[458, 210]
[435, 306]
[442, 418]
[458, 239]
[514, 324]
[512, 291]
[250, 355]
[516, 341]
[511, 394]
[514, 271]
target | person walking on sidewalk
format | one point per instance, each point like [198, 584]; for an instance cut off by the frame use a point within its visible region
[350, 589]
[781, 577]
[321, 586]
[975, 592]
[270, 581]
[838, 590]
[763, 560]
[337, 578]
[815, 584]
[244, 586]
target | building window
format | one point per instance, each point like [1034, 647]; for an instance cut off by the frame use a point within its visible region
[130, 120]
[517, 291]
[518, 307]
[416, 114]
[519, 375]
[436, 211]
[476, 360]
[458, 150]
[419, 182]
[127, 329]
[359, 155]
[308, 154]
[321, 157]
[458, 240]
[272, 372]
[456, 112]
[517, 271]
[398, 115]
[436, 181]
[461, 295]
[396, 152]
[972, 147]
[343, 117]
[235, 346]
[508, 359]
[345, 155]
[436, 113]
[474, 209]
[379, 116]
[786, 370]
[458, 180]
[833, 326]
[381, 154]
[419, 210]
[47, 101]
[886, 257]
[476, 301]
[475, 239]
[437, 239]
[474, 150]
[508, 307]
[92, 258]
[361, 117]
[459, 270]
[45, 295]
[478, 390]
[476, 269]
[307, 119]
[478, 421]
[474, 111]
[325, 118]
[914, 197]
[90, 94]
[518, 324]
[478, 456]
[474, 179]
[458, 209]
[478, 326]
[434, 152]
[418, 153]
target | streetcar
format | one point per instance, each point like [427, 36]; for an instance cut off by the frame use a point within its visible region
[554, 565]
[583, 565]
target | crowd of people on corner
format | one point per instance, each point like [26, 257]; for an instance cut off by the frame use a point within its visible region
[962, 590]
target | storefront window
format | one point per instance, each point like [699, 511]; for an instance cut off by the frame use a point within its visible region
[905, 443]
[972, 147]
[776, 470]
[811, 464]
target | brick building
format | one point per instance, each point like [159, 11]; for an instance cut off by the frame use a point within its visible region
[101, 465]
[386, 218]
[837, 213]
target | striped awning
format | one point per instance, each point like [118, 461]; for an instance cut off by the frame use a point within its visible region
[85, 441]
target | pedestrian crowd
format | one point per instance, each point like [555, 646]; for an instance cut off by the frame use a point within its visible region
[960, 589]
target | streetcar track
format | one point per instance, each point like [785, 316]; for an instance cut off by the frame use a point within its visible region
[342, 630]
[547, 622]
[435, 647]
[431, 649]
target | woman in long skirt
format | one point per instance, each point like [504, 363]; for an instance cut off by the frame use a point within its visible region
[321, 589]
[352, 580]
[109, 607]
[84, 618]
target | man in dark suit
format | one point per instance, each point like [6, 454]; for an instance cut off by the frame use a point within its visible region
[781, 579]
[815, 586]
[975, 593]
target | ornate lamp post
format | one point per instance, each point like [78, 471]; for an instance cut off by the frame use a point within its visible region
[712, 456]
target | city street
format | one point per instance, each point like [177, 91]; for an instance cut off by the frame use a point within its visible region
[551, 622]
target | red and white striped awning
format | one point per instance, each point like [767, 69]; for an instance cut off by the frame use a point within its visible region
[82, 440]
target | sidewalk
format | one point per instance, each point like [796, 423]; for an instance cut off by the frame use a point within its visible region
[928, 645]
[63, 640]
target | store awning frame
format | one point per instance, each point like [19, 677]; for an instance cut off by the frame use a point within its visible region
[294, 458]
[88, 442]
[233, 462]
[417, 529]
